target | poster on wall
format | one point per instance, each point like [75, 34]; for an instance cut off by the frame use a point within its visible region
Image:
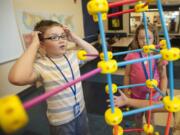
[26, 20]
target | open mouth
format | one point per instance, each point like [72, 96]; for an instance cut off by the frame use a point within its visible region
[62, 47]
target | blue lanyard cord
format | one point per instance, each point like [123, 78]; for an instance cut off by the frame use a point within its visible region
[58, 68]
[144, 67]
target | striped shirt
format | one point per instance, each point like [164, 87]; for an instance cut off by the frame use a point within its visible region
[60, 106]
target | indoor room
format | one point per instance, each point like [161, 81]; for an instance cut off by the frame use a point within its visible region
[66, 67]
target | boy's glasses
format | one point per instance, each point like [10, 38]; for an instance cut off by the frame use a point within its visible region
[55, 37]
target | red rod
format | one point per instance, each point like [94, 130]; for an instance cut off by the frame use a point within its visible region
[150, 103]
[168, 123]
[120, 3]
[132, 130]
[116, 130]
[120, 13]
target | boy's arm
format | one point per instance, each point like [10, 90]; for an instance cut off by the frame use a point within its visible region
[81, 43]
[22, 71]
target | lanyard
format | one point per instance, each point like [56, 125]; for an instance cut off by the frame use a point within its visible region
[144, 67]
[58, 68]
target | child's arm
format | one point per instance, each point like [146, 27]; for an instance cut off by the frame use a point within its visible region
[163, 77]
[123, 100]
[80, 42]
[22, 71]
[127, 79]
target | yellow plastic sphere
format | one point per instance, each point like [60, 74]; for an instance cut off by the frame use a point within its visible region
[82, 55]
[139, 7]
[120, 130]
[113, 118]
[170, 54]
[110, 55]
[151, 1]
[12, 114]
[171, 105]
[114, 88]
[148, 129]
[163, 44]
[148, 48]
[98, 6]
[109, 66]
[151, 83]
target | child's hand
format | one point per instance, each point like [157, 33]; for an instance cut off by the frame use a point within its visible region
[70, 36]
[121, 100]
[31, 38]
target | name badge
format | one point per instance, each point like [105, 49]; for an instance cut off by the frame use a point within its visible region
[76, 109]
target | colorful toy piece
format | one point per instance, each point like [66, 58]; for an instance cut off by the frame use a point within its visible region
[98, 6]
[119, 132]
[163, 44]
[110, 55]
[113, 118]
[12, 114]
[171, 105]
[109, 66]
[151, 83]
[82, 55]
[148, 48]
[148, 129]
[150, 1]
[170, 54]
[140, 7]
[114, 88]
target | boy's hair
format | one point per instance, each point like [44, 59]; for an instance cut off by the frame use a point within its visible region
[43, 25]
[152, 28]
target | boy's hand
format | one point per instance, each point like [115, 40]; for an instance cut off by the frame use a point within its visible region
[70, 36]
[31, 39]
[121, 100]
[127, 92]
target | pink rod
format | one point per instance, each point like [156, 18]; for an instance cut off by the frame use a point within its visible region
[120, 13]
[39, 99]
[120, 3]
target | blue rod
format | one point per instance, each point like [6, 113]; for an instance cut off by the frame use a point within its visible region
[143, 109]
[104, 47]
[147, 42]
[158, 90]
[139, 60]
[163, 22]
[126, 52]
[171, 71]
[130, 86]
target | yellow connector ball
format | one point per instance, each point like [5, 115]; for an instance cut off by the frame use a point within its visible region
[110, 55]
[113, 118]
[12, 114]
[120, 130]
[109, 66]
[171, 105]
[151, 1]
[96, 6]
[148, 129]
[163, 44]
[148, 48]
[170, 54]
[114, 88]
[151, 83]
[139, 7]
[82, 55]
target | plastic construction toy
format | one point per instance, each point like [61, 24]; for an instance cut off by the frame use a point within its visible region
[12, 112]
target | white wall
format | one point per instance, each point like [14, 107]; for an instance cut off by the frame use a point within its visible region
[60, 6]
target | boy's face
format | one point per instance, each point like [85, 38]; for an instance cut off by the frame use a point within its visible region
[55, 41]
[142, 38]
